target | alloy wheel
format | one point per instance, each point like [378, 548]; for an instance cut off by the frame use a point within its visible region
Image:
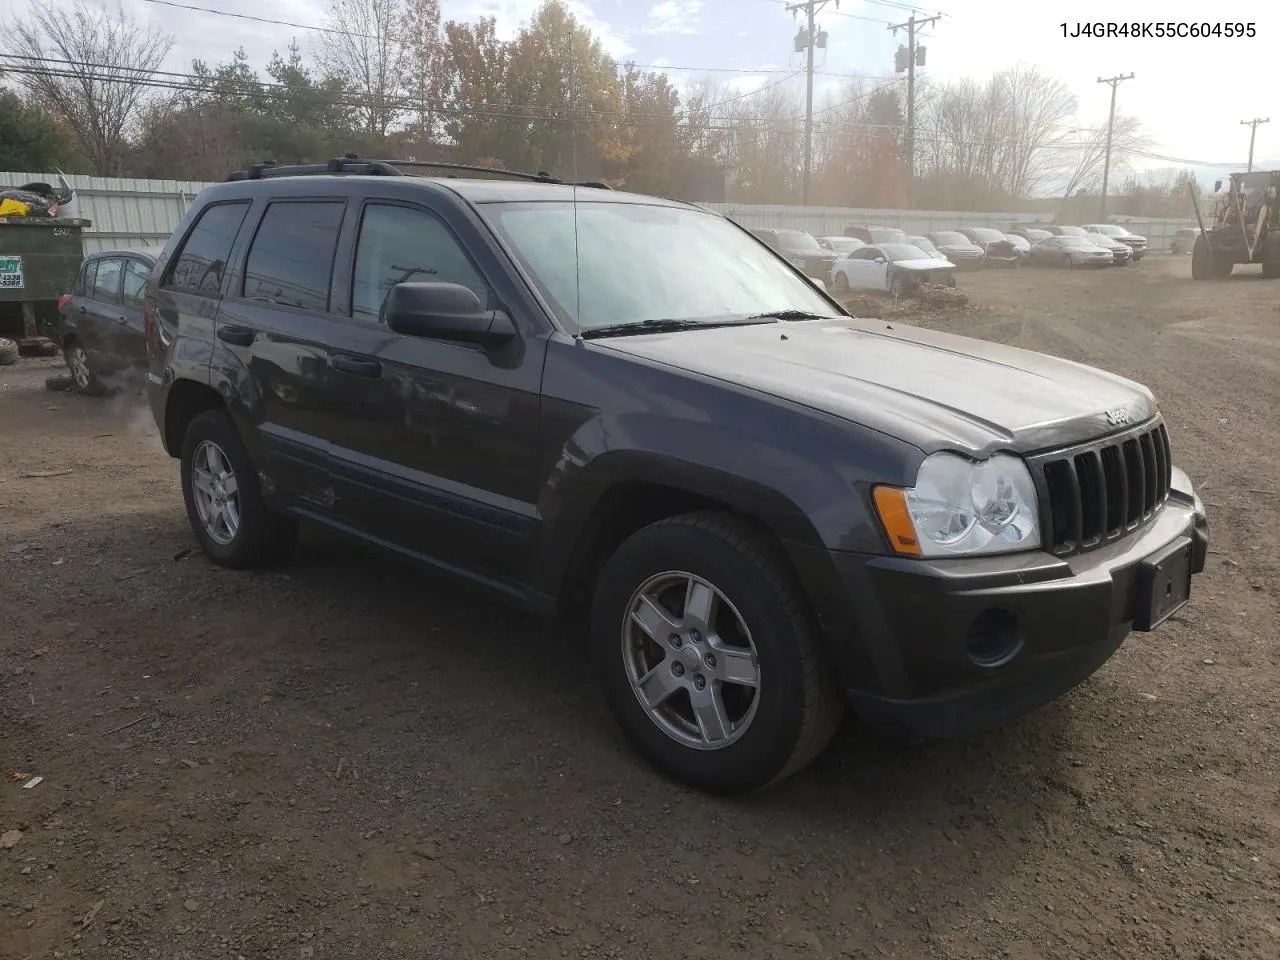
[216, 492]
[78, 362]
[691, 661]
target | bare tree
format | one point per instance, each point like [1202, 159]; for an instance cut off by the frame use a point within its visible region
[365, 44]
[424, 63]
[1083, 160]
[90, 66]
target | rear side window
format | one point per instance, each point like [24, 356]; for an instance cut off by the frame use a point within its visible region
[400, 244]
[107, 285]
[291, 258]
[202, 261]
[135, 278]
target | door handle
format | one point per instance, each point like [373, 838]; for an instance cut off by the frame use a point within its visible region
[237, 336]
[357, 366]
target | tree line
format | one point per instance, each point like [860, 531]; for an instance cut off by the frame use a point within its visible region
[84, 87]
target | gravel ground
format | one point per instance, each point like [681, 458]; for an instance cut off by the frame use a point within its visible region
[342, 759]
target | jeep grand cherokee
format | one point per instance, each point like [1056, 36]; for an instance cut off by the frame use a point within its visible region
[590, 401]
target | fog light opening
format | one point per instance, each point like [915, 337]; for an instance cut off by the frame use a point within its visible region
[994, 638]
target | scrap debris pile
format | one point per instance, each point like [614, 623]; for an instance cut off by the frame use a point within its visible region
[35, 199]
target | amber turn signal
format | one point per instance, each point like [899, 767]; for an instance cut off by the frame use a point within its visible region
[891, 504]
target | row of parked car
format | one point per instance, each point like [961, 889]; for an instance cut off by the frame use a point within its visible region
[891, 260]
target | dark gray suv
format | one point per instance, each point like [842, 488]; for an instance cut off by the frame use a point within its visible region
[627, 408]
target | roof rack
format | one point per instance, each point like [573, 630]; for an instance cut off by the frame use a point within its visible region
[353, 164]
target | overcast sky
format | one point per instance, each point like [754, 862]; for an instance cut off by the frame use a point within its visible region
[1190, 93]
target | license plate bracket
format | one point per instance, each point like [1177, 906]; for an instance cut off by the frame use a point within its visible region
[1163, 585]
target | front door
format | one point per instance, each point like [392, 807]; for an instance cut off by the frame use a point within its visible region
[442, 453]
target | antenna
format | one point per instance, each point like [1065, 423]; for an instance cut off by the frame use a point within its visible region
[573, 161]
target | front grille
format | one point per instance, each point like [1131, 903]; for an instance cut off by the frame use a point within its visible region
[1098, 492]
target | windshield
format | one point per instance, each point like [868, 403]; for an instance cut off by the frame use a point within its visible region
[924, 243]
[1071, 231]
[987, 235]
[844, 244]
[887, 235]
[797, 241]
[639, 262]
[1033, 234]
[903, 251]
[1110, 230]
[1074, 241]
[952, 238]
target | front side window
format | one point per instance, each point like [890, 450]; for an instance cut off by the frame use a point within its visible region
[401, 244]
[605, 263]
[202, 261]
[290, 261]
[107, 285]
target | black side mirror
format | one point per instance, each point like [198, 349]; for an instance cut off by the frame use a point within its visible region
[445, 311]
[1217, 185]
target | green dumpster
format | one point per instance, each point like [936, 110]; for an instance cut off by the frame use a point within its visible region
[39, 260]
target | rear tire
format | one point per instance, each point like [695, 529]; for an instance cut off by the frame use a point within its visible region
[1202, 263]
[224, 502]
[8, 352]
[777, 707]
[82, 372]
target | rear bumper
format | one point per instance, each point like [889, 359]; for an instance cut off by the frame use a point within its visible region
[1041, 625]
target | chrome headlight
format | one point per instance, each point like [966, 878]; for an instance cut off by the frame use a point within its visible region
[962, 508]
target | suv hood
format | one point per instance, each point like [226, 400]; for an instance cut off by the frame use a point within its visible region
[931, 389]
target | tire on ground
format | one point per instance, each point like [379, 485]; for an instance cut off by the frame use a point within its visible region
[8, 352]
[799, 706]
[262, 537]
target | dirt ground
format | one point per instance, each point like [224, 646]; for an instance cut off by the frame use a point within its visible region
[342, 759]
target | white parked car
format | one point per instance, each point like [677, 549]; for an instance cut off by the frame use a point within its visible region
[894, 267]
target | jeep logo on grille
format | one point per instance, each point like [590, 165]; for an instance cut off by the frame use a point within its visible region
[1118, 417]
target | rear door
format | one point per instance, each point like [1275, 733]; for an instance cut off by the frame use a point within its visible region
[97, 321]
[272, 348]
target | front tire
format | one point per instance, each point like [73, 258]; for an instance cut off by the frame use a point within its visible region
[708, 656]
[840, 282]
[899, 287]
[224, 502]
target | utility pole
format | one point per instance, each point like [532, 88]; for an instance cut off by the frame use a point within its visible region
[908, 59]
[1111, 121]
[1253, 132]
[806, 40]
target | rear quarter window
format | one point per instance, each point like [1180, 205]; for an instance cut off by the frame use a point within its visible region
[201, 261]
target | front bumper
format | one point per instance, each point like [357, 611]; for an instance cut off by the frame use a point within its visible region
[916, 624]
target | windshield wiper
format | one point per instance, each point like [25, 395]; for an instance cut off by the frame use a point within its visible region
[669, 326]
[790, 315]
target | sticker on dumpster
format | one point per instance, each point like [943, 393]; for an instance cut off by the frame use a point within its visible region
[11, 273]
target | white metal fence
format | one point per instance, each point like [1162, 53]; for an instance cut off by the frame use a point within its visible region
[125, 213]
[142, 213]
